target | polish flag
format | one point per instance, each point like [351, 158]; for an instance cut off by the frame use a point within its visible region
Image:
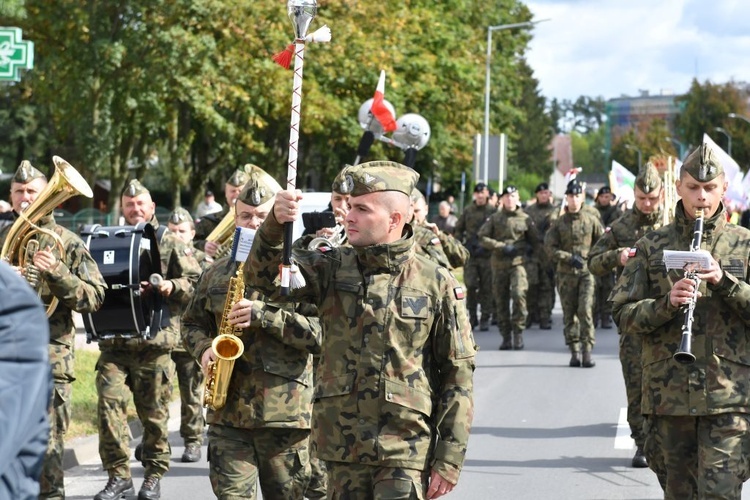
[381, 113]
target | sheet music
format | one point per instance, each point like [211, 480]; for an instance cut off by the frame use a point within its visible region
[243, 243]
[678, 259]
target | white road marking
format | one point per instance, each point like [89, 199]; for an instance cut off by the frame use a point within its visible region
[623, 441]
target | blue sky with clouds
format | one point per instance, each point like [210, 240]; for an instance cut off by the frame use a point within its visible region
[611, 48]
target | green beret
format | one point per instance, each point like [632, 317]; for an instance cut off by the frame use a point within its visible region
[260, 187]
[375, 176]
[339, 184]
[703, 164]
[27, 173]
[134, 188]
[180, 215]
[648, 179]
[239, 177]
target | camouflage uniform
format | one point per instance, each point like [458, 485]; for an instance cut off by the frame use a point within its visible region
[79, 286]
[396, 340]
[603, 257]
[540, 270]
[510, 235]
[604, 283]
[209, 222]
[262, 433]
[573, 234]
[478, 280]
[441, 248]
[144, 367]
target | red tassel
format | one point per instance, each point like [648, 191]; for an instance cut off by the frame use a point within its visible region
[284, 58]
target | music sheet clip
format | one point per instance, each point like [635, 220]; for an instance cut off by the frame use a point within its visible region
[681, 259]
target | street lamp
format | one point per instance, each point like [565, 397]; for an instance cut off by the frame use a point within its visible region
[633, 148]
[735, 115]
[680, 146]
[485, 139]
[729, 139]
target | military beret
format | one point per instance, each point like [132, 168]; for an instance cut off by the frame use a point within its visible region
[574, 187]
[27, 173]
[375, 176]
[604, 190]
[648, 179]
[339, 184]
[509, 189]
[260, 186]
[180, 215]
[703, 164]
[134, 188]
[481, 186]
[543, 186]
[239, 177]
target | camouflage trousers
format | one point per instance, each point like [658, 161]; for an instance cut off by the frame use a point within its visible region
[277, 458]
[577, 299]
[51, 482]
[190, 379]
[632, 370]
[604, 286]
[478, 287]
[147, 373]
[699, 457]
[351, 481]
[318, 485]
[510, 285]
[541, 293]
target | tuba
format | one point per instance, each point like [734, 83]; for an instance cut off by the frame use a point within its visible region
[22, 239]
[223, 234]
[227, 346]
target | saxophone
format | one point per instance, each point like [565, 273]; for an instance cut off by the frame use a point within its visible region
[227, 346]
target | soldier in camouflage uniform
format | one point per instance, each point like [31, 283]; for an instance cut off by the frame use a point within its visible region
[478, 280]
[612, 251]
[440, 247]
[510, 235]
[75, 281]
[540, 270]
[697, 426]
[569, 240]
[609, 213]
[262, 433]
[208, 223]
[394, 404]
[143, 367]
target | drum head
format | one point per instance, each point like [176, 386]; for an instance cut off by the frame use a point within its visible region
[126, 256]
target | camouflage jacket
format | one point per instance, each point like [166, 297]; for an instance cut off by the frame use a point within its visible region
[572, 234]
[604, 256]
[511, 229]
[179, 266]
[543, 215]
[394, 380]
[77, 284]
[441, 248]
[467, 228]
[609, 214]
[205, 225]
[271, 384]
[717, 381]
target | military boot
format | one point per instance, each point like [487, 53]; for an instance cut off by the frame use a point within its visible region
[473, 321]
[518, 341]
[606, 321]
[484, 324]
[545, 324]
[639, 459]
[116, 487]
[507, 344]
[150, 489]
[575, 358]
[587, 361]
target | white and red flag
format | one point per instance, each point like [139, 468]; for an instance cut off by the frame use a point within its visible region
[379, 110]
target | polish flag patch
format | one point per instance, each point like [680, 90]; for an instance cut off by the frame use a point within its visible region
[631, 253]
[459, 293]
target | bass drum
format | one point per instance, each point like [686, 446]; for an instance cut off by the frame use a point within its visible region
[126, 256]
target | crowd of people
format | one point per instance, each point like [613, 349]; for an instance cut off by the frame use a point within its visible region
[358, 381]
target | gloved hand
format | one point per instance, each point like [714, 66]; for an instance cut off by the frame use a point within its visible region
[577, 261]
[509, 250]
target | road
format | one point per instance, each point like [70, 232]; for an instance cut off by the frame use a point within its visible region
[541, 430]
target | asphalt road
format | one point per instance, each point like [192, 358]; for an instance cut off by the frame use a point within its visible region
[541, 430]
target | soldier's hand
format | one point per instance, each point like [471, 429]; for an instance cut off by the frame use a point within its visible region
[286, 206]
[439, 486]
[682, 292]
[44, 260]
[713, 274]
[624, 256]
[165, 288]
[432, 227]
[577, 261]
[241, 314]
[211, 248]
[208, 357]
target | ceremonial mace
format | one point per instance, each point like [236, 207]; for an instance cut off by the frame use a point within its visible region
[301, 13]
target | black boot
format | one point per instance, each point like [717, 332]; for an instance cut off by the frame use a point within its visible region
[484, 324]
[587, 361]
[575, 358]
[151, 489]
[192, 452]
[606, 321]
[518, 341]
[507, 344]
[116, 487]
[139, 452]
[545, 324]
[639, 459]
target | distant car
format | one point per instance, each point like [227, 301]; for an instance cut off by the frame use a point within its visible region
[312, 201]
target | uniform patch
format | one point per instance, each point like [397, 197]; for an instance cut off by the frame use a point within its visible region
[188, 251]
[607, 229]
[458, 292]
[324, 249]
[414, 307]
[435, 241]
[631, 252]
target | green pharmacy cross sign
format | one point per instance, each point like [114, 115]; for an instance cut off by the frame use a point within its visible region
[15, 54]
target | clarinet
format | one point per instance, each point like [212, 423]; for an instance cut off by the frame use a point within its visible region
[684, 353]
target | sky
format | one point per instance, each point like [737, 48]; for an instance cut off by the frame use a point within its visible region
[614, 48]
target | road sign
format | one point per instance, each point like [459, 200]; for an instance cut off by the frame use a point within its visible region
[15, 54]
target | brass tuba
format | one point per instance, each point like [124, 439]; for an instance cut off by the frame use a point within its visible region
[21, 240]
[223, 234]
[227, 346]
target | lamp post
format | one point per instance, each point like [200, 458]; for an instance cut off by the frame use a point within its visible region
[486, 137]
[633, 148]
[735, 115]
[729, 139]
[680, 146]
